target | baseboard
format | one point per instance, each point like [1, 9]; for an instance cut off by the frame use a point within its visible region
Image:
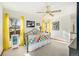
[3, 51]
[61, 41]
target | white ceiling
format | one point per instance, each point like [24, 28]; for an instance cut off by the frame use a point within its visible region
[31, 7]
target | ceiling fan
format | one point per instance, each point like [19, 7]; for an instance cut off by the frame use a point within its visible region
[48, 11]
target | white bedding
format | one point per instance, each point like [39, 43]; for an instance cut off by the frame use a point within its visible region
[34, 46]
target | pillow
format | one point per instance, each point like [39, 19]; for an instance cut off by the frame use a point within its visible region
[31, 39]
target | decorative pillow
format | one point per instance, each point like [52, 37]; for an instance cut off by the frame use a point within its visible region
[31, 39]
[36, 39]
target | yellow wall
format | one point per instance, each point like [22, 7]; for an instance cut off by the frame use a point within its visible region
[6, 43]
[22, 31]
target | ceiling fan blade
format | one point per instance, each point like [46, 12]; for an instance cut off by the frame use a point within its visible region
[41, 12]
[55, 11]
[51, 14]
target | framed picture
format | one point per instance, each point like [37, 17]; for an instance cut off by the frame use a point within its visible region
[56, 25]
[38, 24]
[30, 23]
[15, 40]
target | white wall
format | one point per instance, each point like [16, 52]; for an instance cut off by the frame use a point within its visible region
[66, 22]
[1, 30]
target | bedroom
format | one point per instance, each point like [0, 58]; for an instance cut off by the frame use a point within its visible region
[54, 21]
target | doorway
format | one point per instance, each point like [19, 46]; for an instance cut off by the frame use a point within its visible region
[14, 30]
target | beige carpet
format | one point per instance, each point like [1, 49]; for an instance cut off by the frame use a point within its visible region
[55, 48]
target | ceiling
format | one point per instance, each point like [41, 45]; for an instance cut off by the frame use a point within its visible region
[33, 7]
